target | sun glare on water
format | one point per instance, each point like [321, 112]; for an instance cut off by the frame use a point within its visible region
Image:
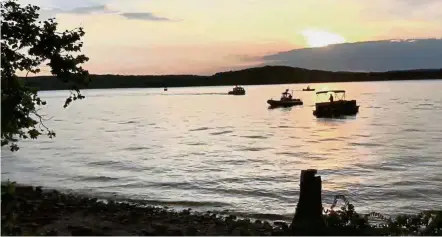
[319, 38]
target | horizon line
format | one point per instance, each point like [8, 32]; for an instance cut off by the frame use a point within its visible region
[249, 68]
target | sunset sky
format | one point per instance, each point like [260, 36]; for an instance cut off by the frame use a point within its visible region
[206, 36]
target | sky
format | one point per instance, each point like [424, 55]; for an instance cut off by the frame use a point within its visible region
[207, 36]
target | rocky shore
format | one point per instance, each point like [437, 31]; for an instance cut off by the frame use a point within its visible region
[30, 210]
[34, 211]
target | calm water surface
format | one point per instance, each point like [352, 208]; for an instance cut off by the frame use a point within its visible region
[201, 148]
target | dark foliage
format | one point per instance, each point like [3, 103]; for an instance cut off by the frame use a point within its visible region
[27, 44]
[252, 76]
[347, 221]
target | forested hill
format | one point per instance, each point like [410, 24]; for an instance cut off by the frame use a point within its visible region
[251, 76]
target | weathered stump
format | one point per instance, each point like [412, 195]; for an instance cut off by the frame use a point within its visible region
[308, 219]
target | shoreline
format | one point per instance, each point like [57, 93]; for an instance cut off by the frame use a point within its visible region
[265, 75]
[45, 211]
[35, 210]
[175, 205]
[233, 84]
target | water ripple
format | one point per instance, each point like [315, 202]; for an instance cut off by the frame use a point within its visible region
[220, 133]
[136, 148]
[254, 148]
[199, 129]
[255, 137]
[95, 178]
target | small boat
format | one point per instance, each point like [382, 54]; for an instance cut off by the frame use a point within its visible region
[285, 101]
[308, 89]
[165, 88]
[335, 108]
[237, 90]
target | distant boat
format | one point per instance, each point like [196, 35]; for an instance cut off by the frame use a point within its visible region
[285, 101]
[165, 88]
[237, 90]
[308, 89]
[337, 105]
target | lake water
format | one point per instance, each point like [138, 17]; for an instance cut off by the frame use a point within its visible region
[200, 148]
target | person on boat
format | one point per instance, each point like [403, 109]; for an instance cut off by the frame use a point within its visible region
[308, 87]
[331, 98]
[286, 95]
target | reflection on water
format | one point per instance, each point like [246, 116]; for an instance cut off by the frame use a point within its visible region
[199, 147]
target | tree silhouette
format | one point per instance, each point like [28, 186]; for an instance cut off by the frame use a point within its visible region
[28, 44]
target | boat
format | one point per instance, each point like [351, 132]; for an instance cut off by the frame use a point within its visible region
[165, 88]
[337, 106]
[285, 101]
[308, 89]
[237, 90]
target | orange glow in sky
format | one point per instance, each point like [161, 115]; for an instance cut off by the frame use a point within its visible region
[203, 37]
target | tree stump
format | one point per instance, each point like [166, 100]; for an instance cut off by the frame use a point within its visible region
[308, 219]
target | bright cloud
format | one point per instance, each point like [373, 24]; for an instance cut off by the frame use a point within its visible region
[320, 38]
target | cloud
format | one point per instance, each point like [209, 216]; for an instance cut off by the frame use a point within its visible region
[90, 9]
[421, 10]
[104, 9]
[418, 3]
[46, 13]
[51, 8]
[147, 16]
[364, 56]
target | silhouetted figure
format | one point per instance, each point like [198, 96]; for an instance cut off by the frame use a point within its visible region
[331, 98]
[285, 94]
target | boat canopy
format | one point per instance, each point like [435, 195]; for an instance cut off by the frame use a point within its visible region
[333, 91]
[339, 94]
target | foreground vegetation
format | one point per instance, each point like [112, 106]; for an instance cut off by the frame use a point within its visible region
[27, 45]
[33, 211]
[252, 76]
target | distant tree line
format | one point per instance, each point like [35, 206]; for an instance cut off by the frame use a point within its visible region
[252, 76]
